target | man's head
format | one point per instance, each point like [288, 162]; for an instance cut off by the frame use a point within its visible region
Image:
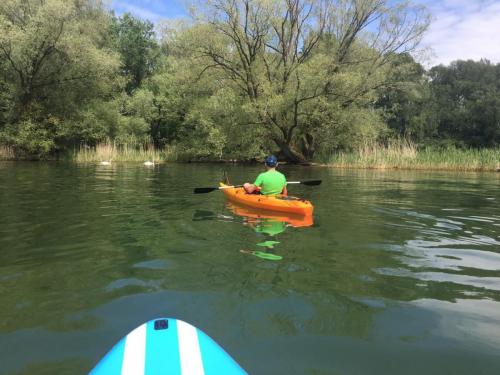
[271, 161]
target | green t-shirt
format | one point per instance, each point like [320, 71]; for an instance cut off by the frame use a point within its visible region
[270, 182]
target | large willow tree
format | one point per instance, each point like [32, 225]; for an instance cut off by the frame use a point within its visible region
[303, 67]
[52, 44]
[55, 59]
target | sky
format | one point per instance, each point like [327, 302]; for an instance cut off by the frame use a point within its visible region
[460, 29]
[463, 29]
[153, 10]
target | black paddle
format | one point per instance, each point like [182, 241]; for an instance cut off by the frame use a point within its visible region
[210, 189]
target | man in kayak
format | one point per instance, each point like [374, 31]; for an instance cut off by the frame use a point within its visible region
[270, 182]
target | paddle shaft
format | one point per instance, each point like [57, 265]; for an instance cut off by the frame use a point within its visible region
[229, 187]
[312, 183]
[210, 189]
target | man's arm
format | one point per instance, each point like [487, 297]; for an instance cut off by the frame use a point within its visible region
[250, 188]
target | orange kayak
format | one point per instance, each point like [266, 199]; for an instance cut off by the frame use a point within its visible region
[277, 202]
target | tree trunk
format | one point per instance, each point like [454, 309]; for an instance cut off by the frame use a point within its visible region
[26, 99]
[290, 154]
[308, 148]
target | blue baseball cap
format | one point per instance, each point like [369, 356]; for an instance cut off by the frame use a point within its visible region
[271, 161]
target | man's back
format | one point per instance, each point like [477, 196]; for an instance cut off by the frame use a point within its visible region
[271, 182]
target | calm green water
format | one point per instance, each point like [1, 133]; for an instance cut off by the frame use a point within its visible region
[400, 273]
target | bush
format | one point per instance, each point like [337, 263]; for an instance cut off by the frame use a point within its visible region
[32, 141]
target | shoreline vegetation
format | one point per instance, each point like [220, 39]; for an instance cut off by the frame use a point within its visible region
[407, 156]
[124, 153]
[238, 81]
[401, 155]
[6, 153]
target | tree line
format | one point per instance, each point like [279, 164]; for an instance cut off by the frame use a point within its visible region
[239, 79]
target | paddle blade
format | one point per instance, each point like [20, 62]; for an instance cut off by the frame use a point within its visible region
[312, 182]
[204, 190]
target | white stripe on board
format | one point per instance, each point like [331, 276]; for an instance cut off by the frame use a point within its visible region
[189, 349]
[134, 356]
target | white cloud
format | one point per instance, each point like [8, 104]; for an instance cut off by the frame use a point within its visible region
[464, 29]
[152, 10]
[143, 12]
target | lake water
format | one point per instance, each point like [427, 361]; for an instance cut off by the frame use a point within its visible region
[399, 274]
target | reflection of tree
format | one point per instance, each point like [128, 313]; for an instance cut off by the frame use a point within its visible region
[356, 239]
[67, 367]
[81, 229]
[402, 216]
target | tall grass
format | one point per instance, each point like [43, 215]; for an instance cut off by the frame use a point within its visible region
[406, 155]
[123, 153]
[6, 153]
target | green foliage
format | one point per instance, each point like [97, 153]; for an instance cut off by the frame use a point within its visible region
[93, 124]
[286, 60]
[221, 125]
[135, 41]
[160, 106]
[102, 121]
[32, 140]
[347, 129]
[53, 52]
[407, 103]
[6, 104]
[467, 97]
[55, 62]
[201, 137]
[132, 131]
[456, 105]
[305, 79]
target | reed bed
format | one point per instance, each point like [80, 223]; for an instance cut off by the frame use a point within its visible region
[406, 155]
[6, 153]
[109, 152]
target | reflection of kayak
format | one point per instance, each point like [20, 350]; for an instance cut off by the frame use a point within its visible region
[167, 346]
[278, 202]
[293, 219]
